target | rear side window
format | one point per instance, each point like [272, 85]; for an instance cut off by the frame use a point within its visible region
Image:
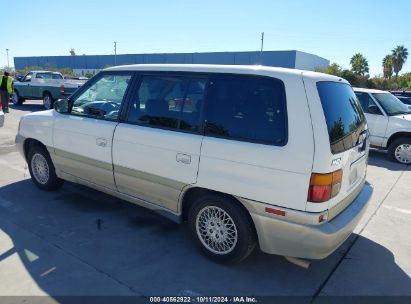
[248, 108]
[42, 76]
[171, 102]
[343, 114]
[56, 76]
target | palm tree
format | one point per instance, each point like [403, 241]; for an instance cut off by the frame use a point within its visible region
[359, 64]
[399, 56]
[387, 66]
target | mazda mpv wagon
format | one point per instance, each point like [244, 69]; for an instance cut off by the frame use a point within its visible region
[246, 155]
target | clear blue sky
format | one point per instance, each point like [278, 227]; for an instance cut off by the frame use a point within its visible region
[332, 29]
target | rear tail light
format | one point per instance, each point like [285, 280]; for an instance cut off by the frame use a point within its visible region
[324, 186]
[61, 88]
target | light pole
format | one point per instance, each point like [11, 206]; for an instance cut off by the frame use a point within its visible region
[262, 46]
[8, 63]
[115, 52]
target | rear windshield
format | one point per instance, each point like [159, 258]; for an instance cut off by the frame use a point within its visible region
[343, 114]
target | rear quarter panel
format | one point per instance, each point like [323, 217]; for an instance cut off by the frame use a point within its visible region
[276, 175]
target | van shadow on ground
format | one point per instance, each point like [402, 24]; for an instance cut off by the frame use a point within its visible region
[77, 241]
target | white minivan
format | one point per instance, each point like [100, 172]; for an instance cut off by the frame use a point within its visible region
[246, 155]
[389, 122]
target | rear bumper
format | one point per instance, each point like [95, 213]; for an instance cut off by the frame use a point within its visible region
[280, 237]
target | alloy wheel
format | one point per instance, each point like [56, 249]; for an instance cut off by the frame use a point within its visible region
[216, 230]
[40, 168]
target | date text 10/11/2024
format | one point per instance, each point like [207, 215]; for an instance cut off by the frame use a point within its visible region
[202, 299]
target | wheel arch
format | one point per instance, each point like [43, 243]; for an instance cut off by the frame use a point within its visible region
[20, 99]
[47, 92]
[29, 143]
[187, 200]
[398, 135]
[18, 94]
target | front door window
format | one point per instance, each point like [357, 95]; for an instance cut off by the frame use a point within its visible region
[103, 98]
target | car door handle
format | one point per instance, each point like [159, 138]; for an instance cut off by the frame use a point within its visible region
[183, 158]
[101, 142]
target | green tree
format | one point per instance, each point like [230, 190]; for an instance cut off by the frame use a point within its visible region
[399, 56]
[89, 74]
[404, 81]
[72, 52]
[359, 64]
[332, 69]
[380, 83]
[337, 130]
[387, 66]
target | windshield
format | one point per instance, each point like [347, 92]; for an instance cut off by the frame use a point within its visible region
[391, 104]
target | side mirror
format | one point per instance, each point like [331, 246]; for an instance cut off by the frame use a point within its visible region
[374, 110]
[61, 106]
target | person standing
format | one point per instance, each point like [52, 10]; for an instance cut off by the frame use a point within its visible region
[6, 89]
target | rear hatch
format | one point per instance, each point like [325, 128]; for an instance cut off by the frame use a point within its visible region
[341, 141]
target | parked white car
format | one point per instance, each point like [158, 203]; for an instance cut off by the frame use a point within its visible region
[246, 154]
[389, 122]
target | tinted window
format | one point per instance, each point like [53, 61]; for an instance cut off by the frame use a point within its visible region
[343, 114]
[250, 108]
[172, 102]
[365, 101]
[103, 98]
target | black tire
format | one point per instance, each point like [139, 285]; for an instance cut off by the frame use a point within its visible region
[246, 235]
[52, 182]
[393, 147]
[48, 101]
[16, 99]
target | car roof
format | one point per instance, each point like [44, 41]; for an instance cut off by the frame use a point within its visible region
[45, 72]
[217, 68]
[369, 90]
